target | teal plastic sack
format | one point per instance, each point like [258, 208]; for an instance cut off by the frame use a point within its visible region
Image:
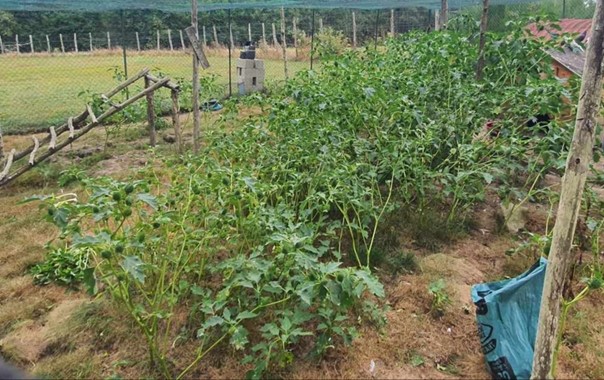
[507, 313]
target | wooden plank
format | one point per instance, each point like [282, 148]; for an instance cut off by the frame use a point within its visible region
[53, 139]
[197, 47]
[171, 85]
[70, 126]
[91, 114]
[9, 163]
[32, 155]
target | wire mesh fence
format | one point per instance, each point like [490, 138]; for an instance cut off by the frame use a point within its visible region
[51, 61]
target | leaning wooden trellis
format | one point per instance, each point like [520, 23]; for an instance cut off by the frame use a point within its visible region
[78, 126]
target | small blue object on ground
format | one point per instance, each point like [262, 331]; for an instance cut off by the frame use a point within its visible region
[507, 313]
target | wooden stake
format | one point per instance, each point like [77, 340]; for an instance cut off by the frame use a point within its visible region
[197, 48]
[263, 35]
[205, 39]
[195, 89]
[2, 45]
[9, 163]
[91, 114]
[284, 42]
[90, 47]
[62, 43]
[53, 139]
[75, 42]
[31, 44]
[170, 40]
[354, 30]
[1, 146]
[231, 37]
[483, 30]
[321, 25]
[32, 155]
[249, 32]
[182, 40]
[295, 29]
[138, 42]
[436, 20]
[108, 40]
[216, 43]
[17, 43]
[392, 31]
[48, 49]
[70, 127]
[158, 41]
[275, 42]
[150, 114]
[572, 186]
[176, 120]
[444, 13]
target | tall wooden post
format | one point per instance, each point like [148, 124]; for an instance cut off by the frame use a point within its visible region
[392, 30]
[150, 113]
[216, 43]
[170, 40]
[90, 41]
[158, 40]
[249, 32]
[295, 29]
[176, 119]
[205, 40]
[444, 13]
[284, 42]
[17, 43]
[109, 40]
[2, 45]
[436, 20]
[263, 35]
[48, 50]
[138, 42]
[572, 186]
[320, 24]
[483, 31]
[182, 41]
[275, 42]
[75, 42]
[354, 30]
[195, 89]
[31, 44]
[62, 44]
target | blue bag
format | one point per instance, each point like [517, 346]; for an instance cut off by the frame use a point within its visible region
[507, 313]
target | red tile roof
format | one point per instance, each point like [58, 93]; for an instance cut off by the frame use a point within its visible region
[567, 25]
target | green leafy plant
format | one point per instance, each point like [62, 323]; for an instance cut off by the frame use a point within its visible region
[440, 297]
[65, 267]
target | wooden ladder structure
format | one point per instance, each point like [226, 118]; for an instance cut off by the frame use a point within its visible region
[78, 126]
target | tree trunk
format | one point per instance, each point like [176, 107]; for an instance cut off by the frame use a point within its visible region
[573, 182]
[483, 31]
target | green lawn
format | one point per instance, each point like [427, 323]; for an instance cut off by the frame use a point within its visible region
[39, 91]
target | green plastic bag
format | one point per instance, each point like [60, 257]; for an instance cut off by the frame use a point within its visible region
[507, 313]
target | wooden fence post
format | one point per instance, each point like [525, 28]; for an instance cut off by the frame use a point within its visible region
[295, 29]
[392, 28]
[284, 42]
[275, 42]
[158, 41]
[31, 44]
[216, 43]
[150, 113]
[75, 42]
[17, 43]
[205, 39]
[138, 42]
[170, 40]
[321, 25]
[249, 32]
[109, 40]
[436, 20]
[263, 35]
[1, 146]
[483, 30]
[176, 120]
[90, 47]
[354, 30]
[48, 48]
[62, 43]
[1, 46]
[444, 13]
[572, 186]
[182, 40]
[196, 86]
